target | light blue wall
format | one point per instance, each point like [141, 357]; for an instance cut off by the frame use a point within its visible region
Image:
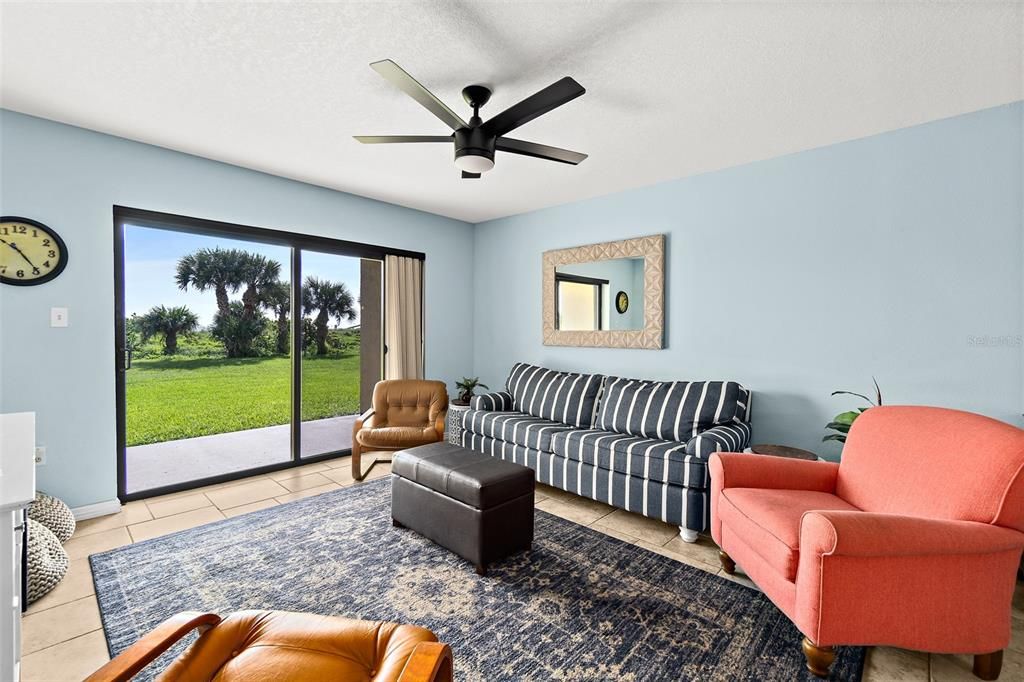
[888, 256]
[69, 178]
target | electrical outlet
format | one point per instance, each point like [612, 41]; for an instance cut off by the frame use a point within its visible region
[40, 455]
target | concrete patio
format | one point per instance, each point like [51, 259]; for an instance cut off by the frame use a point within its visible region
[190, 459]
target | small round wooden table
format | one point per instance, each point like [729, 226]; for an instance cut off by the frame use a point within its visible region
[783, 451]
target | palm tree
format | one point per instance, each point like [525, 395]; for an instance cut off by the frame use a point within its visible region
[331, 300]
[278, 297]
[168, 322]
[258, 273]
[218, 269]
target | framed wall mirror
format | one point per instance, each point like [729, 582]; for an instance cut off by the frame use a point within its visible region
[606, 295]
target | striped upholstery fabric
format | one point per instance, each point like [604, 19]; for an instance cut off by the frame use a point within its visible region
[658, 460]
[500, 401]
[733, 437]
[559, 396]
[677, 505]
[669, 410]
[513, 427]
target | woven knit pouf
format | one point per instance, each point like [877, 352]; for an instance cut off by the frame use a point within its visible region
[47, 560]
[54, 514]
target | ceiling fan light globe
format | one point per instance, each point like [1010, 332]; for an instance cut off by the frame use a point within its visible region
[474, 163]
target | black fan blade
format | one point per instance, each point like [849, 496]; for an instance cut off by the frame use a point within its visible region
[469, 176]
[410, 86]
[538, 151]
[390, 139]
[541, 102]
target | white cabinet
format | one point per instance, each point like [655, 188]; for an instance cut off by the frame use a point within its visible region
[17, 489]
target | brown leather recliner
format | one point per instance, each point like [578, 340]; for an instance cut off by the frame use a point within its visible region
[286, 647]
[405, 413]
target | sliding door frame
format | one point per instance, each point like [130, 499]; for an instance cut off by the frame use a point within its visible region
[297, 242]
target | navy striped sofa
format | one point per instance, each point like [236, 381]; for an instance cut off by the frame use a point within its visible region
[638, 445]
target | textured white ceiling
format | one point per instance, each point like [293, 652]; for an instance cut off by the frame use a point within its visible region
[673, 89]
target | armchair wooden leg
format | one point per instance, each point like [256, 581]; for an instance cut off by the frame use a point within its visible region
[357, 459]
[819, 658]
[728, 565]
[988, 666]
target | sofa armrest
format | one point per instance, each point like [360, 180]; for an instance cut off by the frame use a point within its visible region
[364, 421]
[733, 437]
[867, 534]
[499, 401]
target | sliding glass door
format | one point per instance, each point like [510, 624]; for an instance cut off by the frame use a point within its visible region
[239, 350]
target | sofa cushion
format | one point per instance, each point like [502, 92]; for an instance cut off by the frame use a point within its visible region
[564, 397]
[513, 427]
[668, 410]
[768, 520]
[656, 460]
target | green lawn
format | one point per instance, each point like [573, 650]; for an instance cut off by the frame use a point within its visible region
[183, 397]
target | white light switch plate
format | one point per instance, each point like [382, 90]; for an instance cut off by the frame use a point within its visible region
[58, 317]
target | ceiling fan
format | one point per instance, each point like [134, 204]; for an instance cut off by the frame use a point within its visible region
[476, 141]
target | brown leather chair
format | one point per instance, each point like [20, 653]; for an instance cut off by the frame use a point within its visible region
[286, 647]
[405, 413]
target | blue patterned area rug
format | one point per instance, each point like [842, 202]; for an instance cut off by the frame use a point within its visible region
[580, 606]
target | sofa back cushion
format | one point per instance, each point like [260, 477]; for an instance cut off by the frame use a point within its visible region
[669, 410]
[935, 463]
[563, 397]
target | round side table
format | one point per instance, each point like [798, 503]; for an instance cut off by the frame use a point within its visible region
[453, 423]
[783, 451]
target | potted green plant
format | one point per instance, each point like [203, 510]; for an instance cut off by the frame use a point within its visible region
[466, 386]
[842, 422]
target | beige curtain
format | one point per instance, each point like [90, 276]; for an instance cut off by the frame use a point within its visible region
[403, 317]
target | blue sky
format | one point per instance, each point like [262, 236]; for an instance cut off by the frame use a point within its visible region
[151, 258]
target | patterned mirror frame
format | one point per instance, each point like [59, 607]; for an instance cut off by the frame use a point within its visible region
[652, 250]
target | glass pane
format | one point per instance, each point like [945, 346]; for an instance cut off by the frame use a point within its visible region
[208, 384]
[578, 306]
[339, 294]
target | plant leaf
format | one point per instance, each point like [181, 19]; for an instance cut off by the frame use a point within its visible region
[837, 426]
[859, 395]
[878, 391]
[835, 436]
[846, 417]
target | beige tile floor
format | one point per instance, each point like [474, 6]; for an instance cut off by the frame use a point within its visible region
[63, 638]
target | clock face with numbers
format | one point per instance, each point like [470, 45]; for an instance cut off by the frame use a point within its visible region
[30, 252]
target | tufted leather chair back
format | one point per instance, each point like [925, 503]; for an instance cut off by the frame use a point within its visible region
[409, 402]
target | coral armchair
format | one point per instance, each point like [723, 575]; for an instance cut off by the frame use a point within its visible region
[912, 541]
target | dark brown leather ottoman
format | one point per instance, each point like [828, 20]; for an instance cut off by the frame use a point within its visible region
[477, 506]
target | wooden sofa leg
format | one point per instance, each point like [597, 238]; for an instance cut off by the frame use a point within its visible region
[728, 565]
[988, 666]
[819, 658]
[357, 460]
[688, 535]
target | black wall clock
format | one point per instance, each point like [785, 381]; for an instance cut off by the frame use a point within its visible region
[622, 302]
[30, 252]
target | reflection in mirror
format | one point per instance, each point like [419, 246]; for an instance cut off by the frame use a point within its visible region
[600, 295]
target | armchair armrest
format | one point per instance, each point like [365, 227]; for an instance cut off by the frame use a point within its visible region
[129, 662]
[439, 423]
[430, 662]
[734, 437]
[364, 421]
[867, 534]
[911, 582]
[499, 401]
[739, 470]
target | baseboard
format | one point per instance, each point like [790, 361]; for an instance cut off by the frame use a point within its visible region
[91, 511]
